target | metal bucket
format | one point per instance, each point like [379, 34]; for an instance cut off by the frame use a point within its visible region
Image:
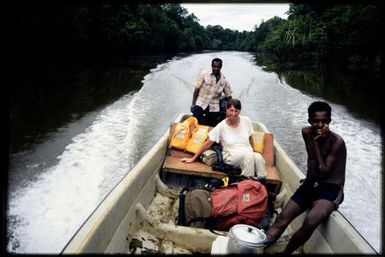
[245, 239]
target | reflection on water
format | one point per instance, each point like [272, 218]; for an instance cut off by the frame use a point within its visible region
[358, 91]
[360, 94]
[43, 98]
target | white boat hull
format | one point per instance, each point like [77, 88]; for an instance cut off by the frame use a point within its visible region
[112, 226]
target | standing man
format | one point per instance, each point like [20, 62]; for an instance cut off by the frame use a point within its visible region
[208, 90]
[321, 192]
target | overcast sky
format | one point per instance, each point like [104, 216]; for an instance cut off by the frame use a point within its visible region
[236, 16]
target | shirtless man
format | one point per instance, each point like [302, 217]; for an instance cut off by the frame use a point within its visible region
[321, 191]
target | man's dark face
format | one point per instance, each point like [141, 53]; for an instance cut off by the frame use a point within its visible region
[216, 66]
[318, 121]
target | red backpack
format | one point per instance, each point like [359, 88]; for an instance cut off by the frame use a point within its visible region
[243, 202]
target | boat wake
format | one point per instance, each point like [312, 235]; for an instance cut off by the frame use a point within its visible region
[44, 212]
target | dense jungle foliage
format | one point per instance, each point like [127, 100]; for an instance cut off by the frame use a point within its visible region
[348, 34]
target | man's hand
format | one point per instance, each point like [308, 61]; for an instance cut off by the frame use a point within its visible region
[323, 133]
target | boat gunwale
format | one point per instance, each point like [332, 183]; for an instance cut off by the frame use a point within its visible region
[114, 197]
[87, 230]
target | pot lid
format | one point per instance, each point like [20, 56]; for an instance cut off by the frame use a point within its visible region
[247, 234]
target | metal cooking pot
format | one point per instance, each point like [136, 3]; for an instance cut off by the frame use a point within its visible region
[246, 239]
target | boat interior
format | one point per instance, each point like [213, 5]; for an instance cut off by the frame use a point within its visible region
[158, 233]
[139, 215]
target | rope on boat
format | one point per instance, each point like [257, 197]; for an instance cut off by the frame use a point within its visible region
[164, 189]
[143, 213]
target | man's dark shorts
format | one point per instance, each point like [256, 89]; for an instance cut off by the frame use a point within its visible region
[210, 119]
[309, 192]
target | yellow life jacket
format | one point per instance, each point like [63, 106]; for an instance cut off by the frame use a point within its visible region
[197, 139]
[258, 141]
[182, 132]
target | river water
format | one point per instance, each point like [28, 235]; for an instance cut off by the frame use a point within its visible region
[56, 183]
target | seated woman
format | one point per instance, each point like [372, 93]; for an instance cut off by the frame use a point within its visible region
[234, 134]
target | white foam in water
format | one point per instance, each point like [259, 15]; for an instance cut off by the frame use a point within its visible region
[46, 213]
[52, 208]
[362, 204]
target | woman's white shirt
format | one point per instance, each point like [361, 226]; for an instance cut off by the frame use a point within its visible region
[232, 139]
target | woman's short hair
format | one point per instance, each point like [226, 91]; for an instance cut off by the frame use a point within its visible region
[234, 102]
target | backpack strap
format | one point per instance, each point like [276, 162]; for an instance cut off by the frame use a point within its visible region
[218, 150]
[209, 224]
[181, 218]
[198, 219]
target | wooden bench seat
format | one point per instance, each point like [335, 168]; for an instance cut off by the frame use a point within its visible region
[172, 164]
